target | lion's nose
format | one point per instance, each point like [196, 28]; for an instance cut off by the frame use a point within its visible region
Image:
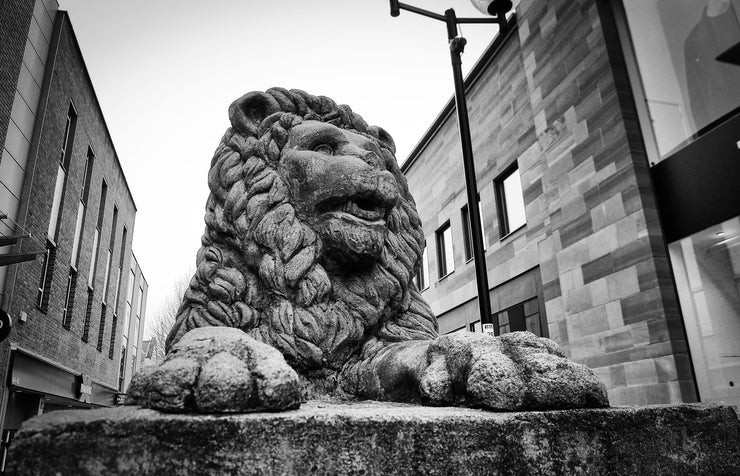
[387, 189]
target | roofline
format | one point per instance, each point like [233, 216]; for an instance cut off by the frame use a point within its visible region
[66, 18]
[485, 59]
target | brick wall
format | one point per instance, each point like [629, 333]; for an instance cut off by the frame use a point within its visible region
[43, 332]
[549, 100]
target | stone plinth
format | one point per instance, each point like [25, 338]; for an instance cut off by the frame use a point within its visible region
[382, 438]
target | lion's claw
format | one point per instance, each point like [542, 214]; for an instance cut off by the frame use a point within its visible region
[215, 370]
[516, 371]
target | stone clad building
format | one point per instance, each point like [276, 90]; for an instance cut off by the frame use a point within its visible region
[608, 193]
[70, 282]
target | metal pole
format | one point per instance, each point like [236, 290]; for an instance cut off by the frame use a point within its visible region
[457, 46]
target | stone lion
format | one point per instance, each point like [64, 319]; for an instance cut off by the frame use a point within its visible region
[304, 284]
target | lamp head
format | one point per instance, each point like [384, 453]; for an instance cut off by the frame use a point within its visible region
[493, 7]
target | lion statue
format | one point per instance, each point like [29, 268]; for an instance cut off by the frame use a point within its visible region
[304, 284]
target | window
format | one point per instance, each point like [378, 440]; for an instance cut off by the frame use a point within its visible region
[686, 88]
[422, 274]
[88, 175]
[96, 236]
[129, 301]
[114, 328]
[56, 204]
[65, 157]
[47, 274]
[445, 256]
[109, 255]
[101, 329]
[88, 315]
[706, 266]
[468, 235]
[510, 201]
[69, 300]
[81, 207]
[521, 317]
[122, 366]
[69, 134]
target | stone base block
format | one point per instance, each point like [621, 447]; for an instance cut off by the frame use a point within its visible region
[382, 438]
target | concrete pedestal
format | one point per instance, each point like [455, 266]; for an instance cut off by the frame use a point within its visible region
[382, 438]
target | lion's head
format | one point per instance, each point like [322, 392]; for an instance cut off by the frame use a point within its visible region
[312, 237]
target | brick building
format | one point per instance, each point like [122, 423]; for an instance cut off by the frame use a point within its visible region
[608, 193]
[78, 308]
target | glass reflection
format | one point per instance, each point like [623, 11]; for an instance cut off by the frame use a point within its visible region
[707, 270]
[676, 43]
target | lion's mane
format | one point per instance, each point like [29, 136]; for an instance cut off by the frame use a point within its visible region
[259, 267]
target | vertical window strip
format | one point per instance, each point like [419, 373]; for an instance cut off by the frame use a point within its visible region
[68, 141]
[422, 274]
[47, 275]
[122, 365]
[75, 256]
[113, 330]
[69, 302]
[56, 204]
[510, 201]
[96, 239]
[85, 193]
[88, 316]
[101, 329]
[445, 256]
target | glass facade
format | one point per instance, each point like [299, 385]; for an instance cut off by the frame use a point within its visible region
[706, 267]
[684, 92]
[676, 44]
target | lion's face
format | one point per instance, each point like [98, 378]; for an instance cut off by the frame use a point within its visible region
[340, 187]
[311, 235]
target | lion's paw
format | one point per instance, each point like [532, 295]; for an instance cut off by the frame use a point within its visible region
[516, 371]
[215, 370]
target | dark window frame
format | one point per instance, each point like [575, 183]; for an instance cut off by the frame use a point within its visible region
[442, 270]
[501, 202]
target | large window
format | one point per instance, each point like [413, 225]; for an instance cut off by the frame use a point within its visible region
[445, 256]
[706, 266]
[676, 45]
[422, 274]
[510, 201]
[524, 316]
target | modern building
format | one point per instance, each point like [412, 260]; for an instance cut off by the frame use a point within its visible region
[77, 305]
[606, 146]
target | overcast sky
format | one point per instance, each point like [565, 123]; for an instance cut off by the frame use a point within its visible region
[165, 72]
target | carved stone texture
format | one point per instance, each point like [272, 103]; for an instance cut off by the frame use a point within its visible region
[311, 243]
[219, 369]
[382, 438]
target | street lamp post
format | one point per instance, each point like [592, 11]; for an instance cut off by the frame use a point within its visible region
[498, 8]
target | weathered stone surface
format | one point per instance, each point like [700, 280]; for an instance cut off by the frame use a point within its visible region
[311, 244]
[511, 372]
[218, 369]
[382, 438]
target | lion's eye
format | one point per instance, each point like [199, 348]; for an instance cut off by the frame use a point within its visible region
[324, 149]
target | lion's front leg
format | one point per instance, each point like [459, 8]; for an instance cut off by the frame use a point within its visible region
[216, 370]
[516, 371]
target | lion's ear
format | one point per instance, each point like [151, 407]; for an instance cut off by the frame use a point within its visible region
[248, 112]
[384, 137]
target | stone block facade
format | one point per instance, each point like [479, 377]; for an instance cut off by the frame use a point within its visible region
[546, 97]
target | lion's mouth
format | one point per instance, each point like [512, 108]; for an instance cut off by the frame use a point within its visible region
[367, 210]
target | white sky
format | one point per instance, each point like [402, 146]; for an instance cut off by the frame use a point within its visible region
[165, 72]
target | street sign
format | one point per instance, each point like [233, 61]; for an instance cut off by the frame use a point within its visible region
[488, 329]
